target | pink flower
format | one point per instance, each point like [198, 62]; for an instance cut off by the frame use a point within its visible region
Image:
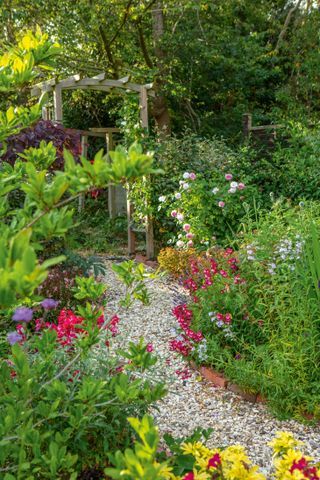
[228, 176]
[190, 235]
[190, 243]
[192, 176]
[189, 476]
[186, 227]
[228, 318]
[149, 347]
[241, 186]
[221, 204]
[214, 461]
[174, 213]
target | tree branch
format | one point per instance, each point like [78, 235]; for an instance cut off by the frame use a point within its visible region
[122, 24]
[286, 24]
[144, 48]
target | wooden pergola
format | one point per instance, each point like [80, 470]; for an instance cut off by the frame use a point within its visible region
[101, 83]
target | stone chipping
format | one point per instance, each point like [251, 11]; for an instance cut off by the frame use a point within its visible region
[193, 402]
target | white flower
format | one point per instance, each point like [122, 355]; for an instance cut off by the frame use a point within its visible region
[162, 199]
[215, 190]
[232, 190]
[186, 175]
[185, 186]
[177, 195]
[180, 243]
[234, 184]
[180, 217]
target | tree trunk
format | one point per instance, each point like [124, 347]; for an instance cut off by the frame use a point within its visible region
[160, 108]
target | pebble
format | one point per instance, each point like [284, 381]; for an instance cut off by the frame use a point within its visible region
[193, 403]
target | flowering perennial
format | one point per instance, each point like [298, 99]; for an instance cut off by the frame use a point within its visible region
[232, 463]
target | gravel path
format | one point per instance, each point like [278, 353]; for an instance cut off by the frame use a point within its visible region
[192, 402]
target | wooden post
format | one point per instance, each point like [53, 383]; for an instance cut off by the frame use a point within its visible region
[57, 103]
[111, 188]
[246, 124]
[131, 233]
[84, 153]
[143, 104]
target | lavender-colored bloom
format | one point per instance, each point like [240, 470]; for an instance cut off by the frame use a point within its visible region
[13, 337]
[49, 303]
[22, 314]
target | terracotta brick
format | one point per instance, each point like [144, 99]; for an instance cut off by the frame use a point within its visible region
[250, 397]
[216, 378]
[261, 399]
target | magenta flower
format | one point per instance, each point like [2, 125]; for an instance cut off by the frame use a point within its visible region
[228, 176]
[241, 186]
[14, 337]
[190, 243]
[221, 204]
[22, 314]
[214, 461]
[189, 476]
[190, 235]
[49, 303]
[186, 227]
[192, 176]
[149, 347]
[174, 213]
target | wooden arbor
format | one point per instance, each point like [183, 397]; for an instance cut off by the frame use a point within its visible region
[101, 83]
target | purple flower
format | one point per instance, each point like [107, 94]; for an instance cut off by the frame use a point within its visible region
[22, 314]
[13, 337]
[49, 303]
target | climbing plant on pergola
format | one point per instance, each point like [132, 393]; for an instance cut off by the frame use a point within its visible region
[101, 83]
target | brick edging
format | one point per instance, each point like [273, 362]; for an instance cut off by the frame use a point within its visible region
[219, 380]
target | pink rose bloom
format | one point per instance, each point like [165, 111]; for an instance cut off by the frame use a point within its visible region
[149, 347]
[174, 213]
[190, 243]
[190, 235]
[241, 186]
[221, 204]
[186, 227]
[228, 176]
[228, 318]
[192, 176]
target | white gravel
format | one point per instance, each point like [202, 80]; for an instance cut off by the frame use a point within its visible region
[194, 402]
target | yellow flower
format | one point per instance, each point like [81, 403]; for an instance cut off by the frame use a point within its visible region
[284, 441]
[284, 464]
[196, 449]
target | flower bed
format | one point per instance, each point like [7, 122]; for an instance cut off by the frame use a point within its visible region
[253, 312]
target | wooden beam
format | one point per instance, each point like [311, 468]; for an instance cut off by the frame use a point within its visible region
[98, 82]
[105, 130]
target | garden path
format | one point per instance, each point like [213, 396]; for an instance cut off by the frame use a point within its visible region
[192, 401]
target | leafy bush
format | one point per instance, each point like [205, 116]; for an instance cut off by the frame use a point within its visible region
[43, 131]
[176, 262]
